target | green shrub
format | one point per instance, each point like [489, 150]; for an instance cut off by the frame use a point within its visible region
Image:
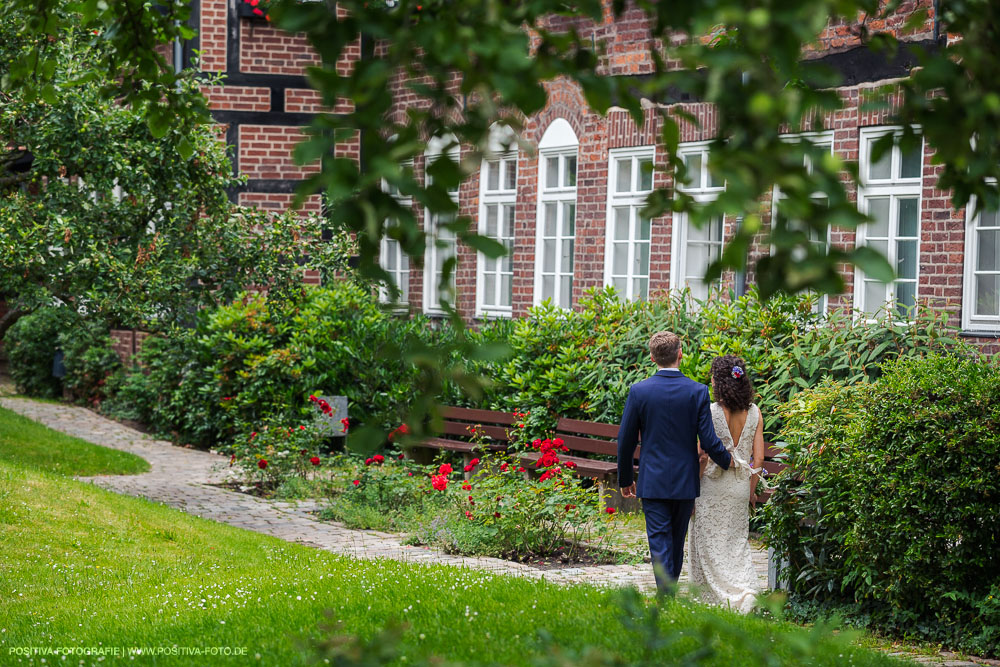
[31, 345]
[90, 362]
[898, 513]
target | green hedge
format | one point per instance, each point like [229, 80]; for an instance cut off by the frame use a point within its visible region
[256, 361]
[265, 359]
[87, 355]
[893, 506]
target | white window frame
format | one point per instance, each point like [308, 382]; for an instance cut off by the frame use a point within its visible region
[431, 301]
[505, 199]
[971, 321]
[702, 192]
[389, 246]
[561, 144]
[823, 140]
[894, 189]
[635, 199]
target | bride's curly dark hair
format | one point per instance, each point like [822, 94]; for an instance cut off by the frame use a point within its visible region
[732, 392]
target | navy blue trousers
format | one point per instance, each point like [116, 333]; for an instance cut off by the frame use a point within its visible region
[666, 526]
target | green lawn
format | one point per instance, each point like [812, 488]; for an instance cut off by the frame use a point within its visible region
[30, 444]
[83, 567]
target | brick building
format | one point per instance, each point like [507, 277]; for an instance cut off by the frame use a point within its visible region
[569, 208]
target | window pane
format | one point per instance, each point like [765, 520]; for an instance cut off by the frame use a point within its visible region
[909, 164]
[697, 261]
[714, 181]
[695, 233]
[505, 292]
[643, 229]
[882, 168]
[693, 164]
[623, 181]
[510, 183]
[906, 298]
[551, 172]
[619, 265]
[507, 226]
[988, 296]
[645, 174]
[906, 259]
[491, 220]
[566, 292]
[548, 287]
[549, 256]
[989, 251]
[492, 175]
[569, 220]
[878, 209]
[641, 259]
[569, 171]
[619, 285]
[908, 217]
[987, 219]
[566, 256]
[549, 228]
[880, 246]
[489, 289]
[874, 296]
[621, 223]
[567, 266]
[640, 289]
[715, 229]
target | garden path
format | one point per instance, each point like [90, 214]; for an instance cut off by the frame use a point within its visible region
[183, 478]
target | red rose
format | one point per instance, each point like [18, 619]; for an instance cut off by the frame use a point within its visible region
[467, 487]
[569, 464]
[301, 427]
[496, 514]
[439, 482]
[345, 422]
[253, 435]
[254, 2]
[474, 462]
[468, 468]
[558, 442]
[410, 474]
[314, 460]
[445, 469]
[378, 458]
[537, 443]
[547, 459]
[520, 468]
[231, 460]
[609, 510]
[570, 507]
[257, 12]
[303, 452]
[262, 464]
[504, 467]
[400, 457]
[546, 475]
[356, 482]
[468, 515]
[368, 462]
[312, 397]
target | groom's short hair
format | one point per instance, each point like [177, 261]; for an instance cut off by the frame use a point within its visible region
[664, 346]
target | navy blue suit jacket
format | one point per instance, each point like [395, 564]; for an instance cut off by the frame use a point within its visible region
[671, 412]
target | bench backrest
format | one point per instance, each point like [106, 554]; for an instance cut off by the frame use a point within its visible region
[491, 422]
[589, 437]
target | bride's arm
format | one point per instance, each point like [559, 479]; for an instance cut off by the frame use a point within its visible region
[702, 460]
[758, 456]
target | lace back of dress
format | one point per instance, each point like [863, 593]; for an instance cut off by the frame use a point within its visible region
[745, 446]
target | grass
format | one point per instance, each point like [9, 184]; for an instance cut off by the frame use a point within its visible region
[30, 444]
[85, 567]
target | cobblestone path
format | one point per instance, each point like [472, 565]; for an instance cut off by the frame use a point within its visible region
[183, 478]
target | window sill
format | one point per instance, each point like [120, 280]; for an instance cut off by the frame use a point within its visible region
[979, 333]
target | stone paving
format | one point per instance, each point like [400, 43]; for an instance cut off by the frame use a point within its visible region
[183, 478]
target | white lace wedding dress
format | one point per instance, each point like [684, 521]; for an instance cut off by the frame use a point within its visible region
[719, 557]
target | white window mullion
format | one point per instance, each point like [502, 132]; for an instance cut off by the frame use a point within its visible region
[981, 307]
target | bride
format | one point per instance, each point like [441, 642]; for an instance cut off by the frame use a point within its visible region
[719, 556]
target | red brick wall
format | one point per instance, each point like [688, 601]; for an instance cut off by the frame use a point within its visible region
[266, 152]
[238, 98]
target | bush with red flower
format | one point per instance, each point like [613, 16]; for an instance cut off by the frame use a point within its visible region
[276, 453]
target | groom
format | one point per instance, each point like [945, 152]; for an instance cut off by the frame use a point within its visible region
[672, 413]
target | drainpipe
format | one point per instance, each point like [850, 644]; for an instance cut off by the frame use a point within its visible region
[740, 279]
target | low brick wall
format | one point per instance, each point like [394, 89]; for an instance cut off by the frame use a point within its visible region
[127, 343]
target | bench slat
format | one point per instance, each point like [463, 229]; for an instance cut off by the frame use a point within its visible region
[587, 428]
[479, 416]
[578, 444]
[586, 466]
[457, 445]
[460, 429]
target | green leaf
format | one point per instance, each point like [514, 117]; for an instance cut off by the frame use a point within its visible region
[873, 263]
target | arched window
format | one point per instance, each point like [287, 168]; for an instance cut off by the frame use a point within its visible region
[555, 238]
[497, 199]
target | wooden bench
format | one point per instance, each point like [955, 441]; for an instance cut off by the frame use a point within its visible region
[772, 465]
[585, 437]
[458, 424]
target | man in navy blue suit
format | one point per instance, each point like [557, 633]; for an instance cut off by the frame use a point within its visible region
[672, 413]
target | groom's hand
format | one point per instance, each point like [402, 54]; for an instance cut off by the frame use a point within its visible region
[628, 491]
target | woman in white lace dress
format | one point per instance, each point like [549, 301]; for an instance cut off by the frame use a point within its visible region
[719, 556]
